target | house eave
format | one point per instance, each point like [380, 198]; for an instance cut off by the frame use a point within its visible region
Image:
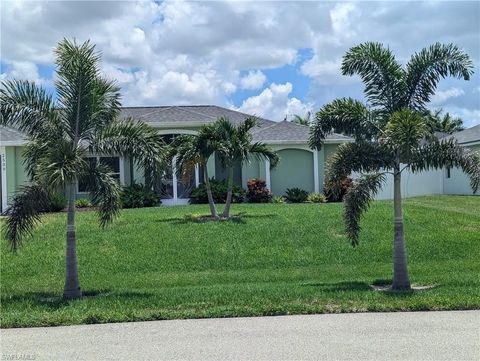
[299, 142]
[12, 143]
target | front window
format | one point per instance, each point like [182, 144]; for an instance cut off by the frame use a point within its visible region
[112, 162]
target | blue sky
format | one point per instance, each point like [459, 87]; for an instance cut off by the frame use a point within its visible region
[272, 59]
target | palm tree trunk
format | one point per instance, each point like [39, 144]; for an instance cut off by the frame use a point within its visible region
[401, 280]
[228, 201]
[72, 284]
[211, 203]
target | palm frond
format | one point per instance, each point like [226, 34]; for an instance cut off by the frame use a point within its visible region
[28, 107]
[357, 201]
[24, 213]
[447, 153]
[104, 191]
[345, 116]
[380, 72]
[426, 68]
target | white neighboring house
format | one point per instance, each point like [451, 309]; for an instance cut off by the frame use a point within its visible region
[443, 181]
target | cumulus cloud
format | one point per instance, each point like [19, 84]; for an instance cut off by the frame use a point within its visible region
[253, 80]
[441, 96]
[274, 103]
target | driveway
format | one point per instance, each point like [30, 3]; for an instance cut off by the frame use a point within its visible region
[362, 336]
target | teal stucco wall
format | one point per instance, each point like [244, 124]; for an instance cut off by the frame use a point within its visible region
[16, 174]
[295, 169]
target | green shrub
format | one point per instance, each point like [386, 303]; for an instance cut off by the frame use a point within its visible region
[56, 203]
[278, 200]
[138, 196]
[296, 195]
[83, 203]
[219, 193]
[335, 192]
[258, 192]
[316, 198]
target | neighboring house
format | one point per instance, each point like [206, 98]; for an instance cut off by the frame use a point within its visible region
[299, 166]
[442, 181]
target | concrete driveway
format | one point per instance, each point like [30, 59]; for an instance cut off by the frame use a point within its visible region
[362, 336]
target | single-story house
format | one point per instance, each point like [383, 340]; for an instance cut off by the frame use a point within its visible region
[299, 166]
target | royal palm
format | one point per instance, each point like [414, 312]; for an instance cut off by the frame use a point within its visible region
[62, 132]
[391, 132]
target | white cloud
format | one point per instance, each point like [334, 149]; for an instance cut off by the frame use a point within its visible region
[441, 96]
[274, 103]
[253, 80]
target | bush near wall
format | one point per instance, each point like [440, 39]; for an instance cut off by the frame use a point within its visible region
[331, 195]
[258, 192]
[138, 196]
[219, 193]
[296, 195]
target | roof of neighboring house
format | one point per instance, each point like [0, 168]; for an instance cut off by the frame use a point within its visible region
[11, 136]
[469, 135]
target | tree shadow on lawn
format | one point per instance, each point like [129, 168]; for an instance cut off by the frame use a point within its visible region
[354, 286]
[195, 218]
[55, 301]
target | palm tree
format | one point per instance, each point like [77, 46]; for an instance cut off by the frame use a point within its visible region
[236, 147]
[444, 123]
[62, 133]
[306, 120]
[390, 132]
[191, 150]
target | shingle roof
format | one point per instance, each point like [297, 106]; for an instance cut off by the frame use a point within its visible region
[11, 135]
[288, 131]
[469, 135]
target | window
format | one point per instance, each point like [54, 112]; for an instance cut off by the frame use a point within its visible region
[112, 162]
[447, 173]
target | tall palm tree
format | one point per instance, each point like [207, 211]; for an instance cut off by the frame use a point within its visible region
[236, 147]
[191, 150]
[62, 133]
[390, 132]
[306, 120]
[444, 123]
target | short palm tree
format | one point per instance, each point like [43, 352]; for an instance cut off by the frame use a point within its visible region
[236, 148]
[62, 133]
[189, 151]
[390, 133]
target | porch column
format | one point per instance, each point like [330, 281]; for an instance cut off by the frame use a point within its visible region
[3, 166]
[267, 174]
[174, 179]
[197, 175]
[316, 181]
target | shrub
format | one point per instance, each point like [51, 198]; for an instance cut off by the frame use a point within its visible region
[138, 196]
[56, 203]
[278, 200]
[296, 195]
[219, 193]
[316, 198]
[82, 203]
[258, 192]
[342, 188]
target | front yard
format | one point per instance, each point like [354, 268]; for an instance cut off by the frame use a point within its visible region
[277, 259]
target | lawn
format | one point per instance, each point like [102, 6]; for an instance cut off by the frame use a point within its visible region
[277, 259]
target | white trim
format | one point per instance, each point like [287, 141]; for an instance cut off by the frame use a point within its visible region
[12, 143]
[3, 166]
[297, 142]
[175, 202]
[267, 174]
[316, 181]
[197, 175]
[176, 131]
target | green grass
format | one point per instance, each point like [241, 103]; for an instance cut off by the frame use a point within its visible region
[279, 259]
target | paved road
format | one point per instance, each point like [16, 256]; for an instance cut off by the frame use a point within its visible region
[361, 336]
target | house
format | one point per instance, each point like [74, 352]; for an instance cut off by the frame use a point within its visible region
[299, 166]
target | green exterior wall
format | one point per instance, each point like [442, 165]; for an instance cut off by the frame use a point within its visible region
[295, 169]
[16, 174]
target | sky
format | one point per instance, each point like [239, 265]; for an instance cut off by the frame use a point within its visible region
[270, 59]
